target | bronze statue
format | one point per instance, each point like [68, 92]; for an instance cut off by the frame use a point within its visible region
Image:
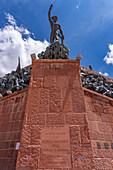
[55, 27]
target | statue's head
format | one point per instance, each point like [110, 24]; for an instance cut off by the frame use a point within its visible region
[54, 18]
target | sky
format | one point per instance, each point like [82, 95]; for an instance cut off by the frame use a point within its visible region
[87, 26]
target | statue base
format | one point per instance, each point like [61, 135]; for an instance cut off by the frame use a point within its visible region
[55, 132]
[56, 50]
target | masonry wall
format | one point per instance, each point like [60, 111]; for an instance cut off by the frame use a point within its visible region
[99, 110]
[55, 99]
[12, 109]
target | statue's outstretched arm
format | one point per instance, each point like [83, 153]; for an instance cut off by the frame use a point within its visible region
[49, 13]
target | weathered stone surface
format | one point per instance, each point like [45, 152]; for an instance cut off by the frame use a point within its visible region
[55, 147]
[54, 105]
[56, 50]
[100, 117]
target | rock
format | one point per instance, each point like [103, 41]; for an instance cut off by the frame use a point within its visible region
[111, 85]
[93, 80]
[1, 96]
[9, 92]
[97, 83]
[55, 51]
[109, 93]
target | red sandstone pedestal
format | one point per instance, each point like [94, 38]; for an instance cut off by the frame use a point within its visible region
[55, 130]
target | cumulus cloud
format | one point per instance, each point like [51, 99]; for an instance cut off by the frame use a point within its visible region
[105, 74]
[12, 45]
[10, 19]
[109, 57]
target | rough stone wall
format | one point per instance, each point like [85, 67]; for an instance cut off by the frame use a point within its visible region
[12, 109]
[55, 98]
[100, 117]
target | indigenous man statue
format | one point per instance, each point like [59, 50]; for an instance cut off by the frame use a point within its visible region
[55, 27]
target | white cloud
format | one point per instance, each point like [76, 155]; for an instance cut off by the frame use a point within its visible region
[105, 74]
[10, 19]
[13, 45]
[109, 57]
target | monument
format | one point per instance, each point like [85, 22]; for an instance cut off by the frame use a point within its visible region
[56, 123]
[55, 111]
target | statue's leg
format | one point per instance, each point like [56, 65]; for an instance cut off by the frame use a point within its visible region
[61, 38]
[51, 38]
[56, 36]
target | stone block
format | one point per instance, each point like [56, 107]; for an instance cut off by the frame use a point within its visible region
[18, 99]
[34, 157]
[85, 137]
[107, 164]
[11, 164]
[3, 127]
[94, 135]
[35, 135]
[108, 136]
[17, 107]
[108, 153]
[17, 136]
[99, 163]
[82, 158]
[38, 83]
[62, 79]
[10, 154]
[17, 126]
[66, 100]
[3, 163]
[38, 71]
[101, 136]
[24, 157]
[110, 118]
[98, 153]
[44, 100]
[55, 100]
[7, 109]
[93, 125]
[98, 108]
[78, 101]
[26, 135]
[55, 119]
[104, 117]
[49, 78]
[36, 118]
[102, 127]
[75, 135]
[74, 80]
[75, 118]
[10, 136]
[34, 99]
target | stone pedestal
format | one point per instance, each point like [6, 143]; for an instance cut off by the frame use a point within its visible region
[55, 131]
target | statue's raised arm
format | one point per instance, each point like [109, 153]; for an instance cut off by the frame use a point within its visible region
[49, 13]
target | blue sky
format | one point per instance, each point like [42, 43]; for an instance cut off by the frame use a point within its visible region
[87, 27]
